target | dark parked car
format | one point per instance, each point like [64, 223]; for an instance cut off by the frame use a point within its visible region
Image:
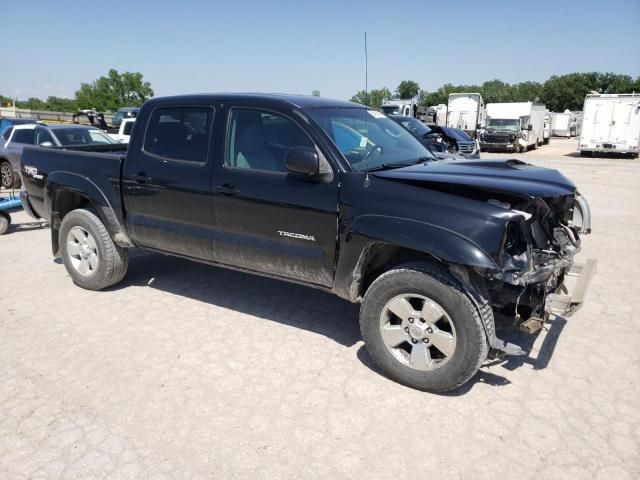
[425, 135]
[458, 141]
[332, 195]
[9, 177]
[56, 135]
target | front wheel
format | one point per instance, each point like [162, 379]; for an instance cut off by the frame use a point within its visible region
[421, 328]
[89, 254]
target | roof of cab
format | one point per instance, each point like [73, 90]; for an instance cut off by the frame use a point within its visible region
[300, 101]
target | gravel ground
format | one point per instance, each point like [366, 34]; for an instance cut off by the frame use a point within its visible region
[189, 371]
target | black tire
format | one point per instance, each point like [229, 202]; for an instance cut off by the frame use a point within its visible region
[7, 175]
[428, 280]
[584, 153]
[5, 221]
[113, 260]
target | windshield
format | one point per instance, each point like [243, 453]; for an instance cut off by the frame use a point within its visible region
[82, 136]
[416, 127]
[511, 124]
[391, 109]
[367, 138]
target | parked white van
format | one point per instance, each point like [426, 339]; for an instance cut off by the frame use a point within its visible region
[610, 123]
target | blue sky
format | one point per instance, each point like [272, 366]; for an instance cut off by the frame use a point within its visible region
[188, 46]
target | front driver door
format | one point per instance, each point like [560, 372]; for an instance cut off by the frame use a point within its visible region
[267, 219]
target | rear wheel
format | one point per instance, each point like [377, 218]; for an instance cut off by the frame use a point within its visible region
[7, 175]
[421, 328]
[92, 259]
[5, 221]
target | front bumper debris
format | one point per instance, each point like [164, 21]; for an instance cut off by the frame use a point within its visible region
[566, 304]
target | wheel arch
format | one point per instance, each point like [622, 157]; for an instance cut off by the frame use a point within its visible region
[65, 192]
[379, 243]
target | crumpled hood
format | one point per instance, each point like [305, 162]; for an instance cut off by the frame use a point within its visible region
[509, 176]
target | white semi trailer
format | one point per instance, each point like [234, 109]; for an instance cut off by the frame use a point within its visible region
[610, 124]
[514, 127]
[467, 112]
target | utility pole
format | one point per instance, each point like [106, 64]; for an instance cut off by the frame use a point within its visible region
[366, 67]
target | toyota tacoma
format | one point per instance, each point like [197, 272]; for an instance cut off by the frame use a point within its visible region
[332, 195]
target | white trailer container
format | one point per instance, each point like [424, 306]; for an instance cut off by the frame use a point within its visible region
[466, 111]
[515, 127]
[561, 124]
[610, 123]
[441, 114]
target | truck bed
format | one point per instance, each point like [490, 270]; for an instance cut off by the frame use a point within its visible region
[45, 169]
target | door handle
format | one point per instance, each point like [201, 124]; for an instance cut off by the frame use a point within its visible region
[141, 178]
[226, 189]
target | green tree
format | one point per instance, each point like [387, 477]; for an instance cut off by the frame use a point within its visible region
[526, 92]
[408, 89]
[373, 98]
[31, 103]
[315, 93]
[496, 91]
[114, 91]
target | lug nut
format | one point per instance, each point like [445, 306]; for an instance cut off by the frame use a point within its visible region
[425, 340]
[411, 320]
[429, 330]
[406, 329]
[414, 340]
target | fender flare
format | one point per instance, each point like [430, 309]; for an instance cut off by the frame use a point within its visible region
[440, 242]
[60, 181]
[369, 232]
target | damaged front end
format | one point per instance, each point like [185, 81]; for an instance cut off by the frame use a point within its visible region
[538, 275]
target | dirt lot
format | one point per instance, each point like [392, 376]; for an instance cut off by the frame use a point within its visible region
[191, 371]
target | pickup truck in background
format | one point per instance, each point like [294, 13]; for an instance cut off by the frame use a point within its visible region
[332, 195]
[124, 131]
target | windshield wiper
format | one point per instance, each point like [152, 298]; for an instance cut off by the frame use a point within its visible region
[387, 166]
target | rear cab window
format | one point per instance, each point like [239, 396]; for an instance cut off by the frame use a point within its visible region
[179, 133]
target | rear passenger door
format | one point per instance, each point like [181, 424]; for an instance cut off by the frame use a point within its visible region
[267, 219]
[167, 179]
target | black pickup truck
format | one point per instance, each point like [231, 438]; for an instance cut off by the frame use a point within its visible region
[332, 195]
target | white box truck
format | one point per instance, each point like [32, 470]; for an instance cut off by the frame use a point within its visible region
[398, 106]
[610, 123]
[564, 124]
[546, 129]
[466, 111]
[513, 127]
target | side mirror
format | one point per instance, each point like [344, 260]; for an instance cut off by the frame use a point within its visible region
[530, 127]
[478, 126]
[46, 144]
[303, 160]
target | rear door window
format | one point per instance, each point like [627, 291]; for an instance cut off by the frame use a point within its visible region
[26, 136]
[179, 133]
